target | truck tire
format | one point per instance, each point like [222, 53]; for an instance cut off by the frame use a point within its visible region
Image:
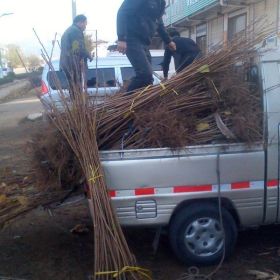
[196, 235]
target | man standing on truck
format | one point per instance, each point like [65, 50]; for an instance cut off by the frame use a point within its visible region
[74, 55]
[184, 55]
[137, 22]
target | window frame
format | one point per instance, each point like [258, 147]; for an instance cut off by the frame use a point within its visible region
[121, 73]
[202, 34]
[232, 17]
[104, 87]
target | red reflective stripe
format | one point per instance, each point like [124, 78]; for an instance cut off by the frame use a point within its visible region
[272, 183]
[182, 189]
[240, 185]
[112, 193]
[145, 191]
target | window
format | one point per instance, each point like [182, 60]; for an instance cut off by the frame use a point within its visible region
[57, 79]
[106, 77]
[156, 63]
[235, 25]
[201, 37]
[127, 74]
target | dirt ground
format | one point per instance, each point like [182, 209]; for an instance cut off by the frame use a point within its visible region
[40, 246]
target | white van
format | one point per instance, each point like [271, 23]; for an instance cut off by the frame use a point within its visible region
[113, 72]
[157, 59]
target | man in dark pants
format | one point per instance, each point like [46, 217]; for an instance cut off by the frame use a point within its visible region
[137, 22]
[74, 54]
[186, 51]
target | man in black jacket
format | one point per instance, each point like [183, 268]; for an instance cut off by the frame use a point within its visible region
[137, 22]
[186, 51]
[74, 53]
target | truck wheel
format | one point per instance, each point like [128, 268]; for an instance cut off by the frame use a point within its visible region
[196, 234]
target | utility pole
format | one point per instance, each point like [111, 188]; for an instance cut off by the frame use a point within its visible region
[74, 9]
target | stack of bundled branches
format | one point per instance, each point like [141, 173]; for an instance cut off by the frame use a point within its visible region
[220, 108]
[212, 100]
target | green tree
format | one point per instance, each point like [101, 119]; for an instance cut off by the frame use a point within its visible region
[15, 56]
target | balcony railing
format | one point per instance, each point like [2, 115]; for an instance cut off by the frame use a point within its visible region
[184, 8]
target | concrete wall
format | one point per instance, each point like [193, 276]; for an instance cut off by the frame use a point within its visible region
[185, 33]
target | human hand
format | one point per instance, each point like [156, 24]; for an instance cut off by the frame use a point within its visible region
[122, 46]
[172, 46]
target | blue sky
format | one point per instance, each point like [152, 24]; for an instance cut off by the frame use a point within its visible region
[51, 16]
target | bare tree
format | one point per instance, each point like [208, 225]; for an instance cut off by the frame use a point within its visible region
[14, 55]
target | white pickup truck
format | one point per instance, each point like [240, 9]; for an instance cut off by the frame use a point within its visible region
[180, 190]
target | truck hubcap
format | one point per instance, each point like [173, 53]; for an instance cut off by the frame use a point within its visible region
[204, 237]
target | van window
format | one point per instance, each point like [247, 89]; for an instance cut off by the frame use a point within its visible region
[52, 77]
[156, 63]
[127, 73]
[106, 77]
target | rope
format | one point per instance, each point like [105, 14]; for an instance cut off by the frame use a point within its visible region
[115, 274]
[133, 101]
[95, 174]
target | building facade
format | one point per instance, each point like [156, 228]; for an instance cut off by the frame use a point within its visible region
[213, 22]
